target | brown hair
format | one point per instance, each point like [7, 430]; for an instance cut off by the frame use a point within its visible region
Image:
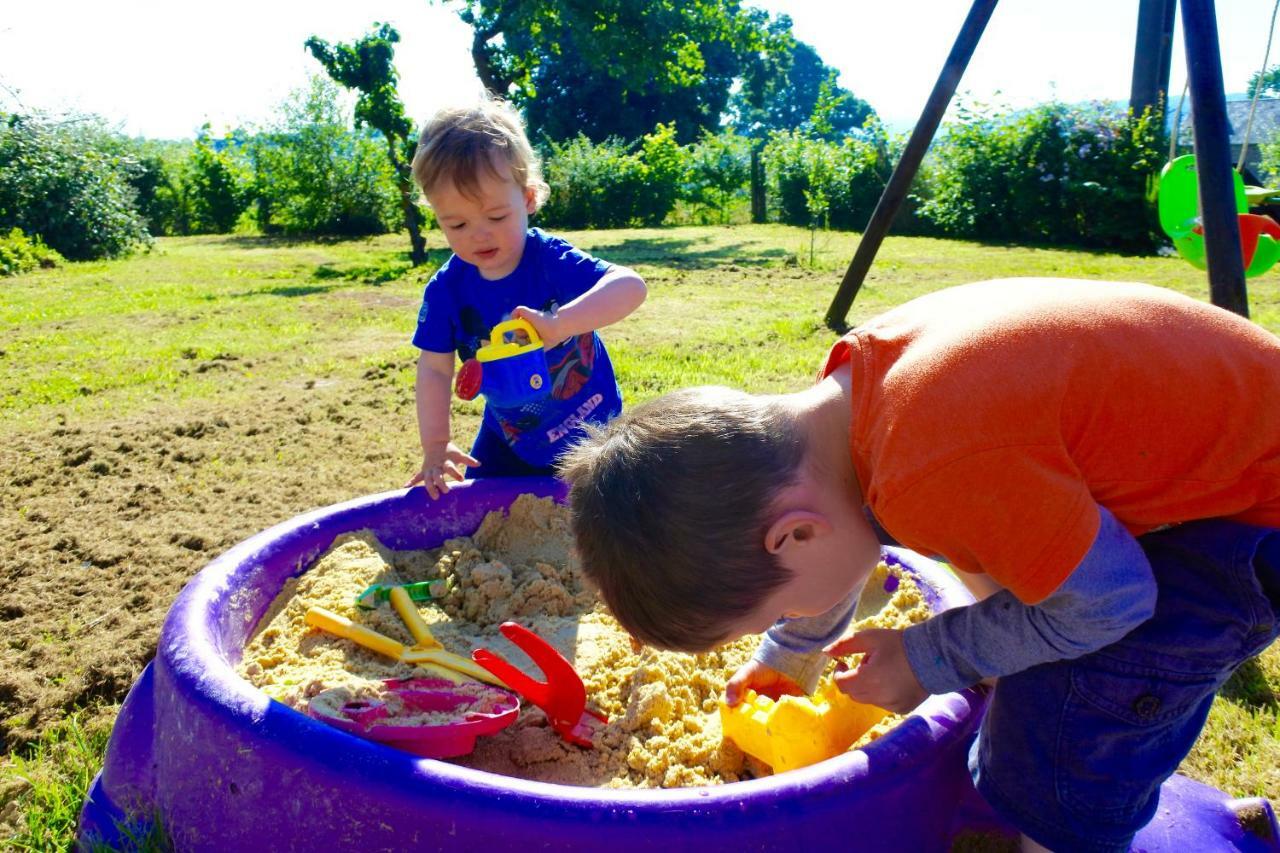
[670, 504]
[458, 142]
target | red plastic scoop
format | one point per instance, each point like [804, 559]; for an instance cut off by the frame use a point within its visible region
[562, 696]
[432, 717]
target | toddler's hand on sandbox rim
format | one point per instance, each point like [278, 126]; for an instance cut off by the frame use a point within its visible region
[763, 679]
[440, 464]
[884, 677]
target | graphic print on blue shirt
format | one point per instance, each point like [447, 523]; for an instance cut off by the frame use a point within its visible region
[460, 308]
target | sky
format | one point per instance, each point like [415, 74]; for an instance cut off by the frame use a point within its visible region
[162, 69]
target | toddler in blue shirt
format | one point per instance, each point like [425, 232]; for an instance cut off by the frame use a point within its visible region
[481, 177]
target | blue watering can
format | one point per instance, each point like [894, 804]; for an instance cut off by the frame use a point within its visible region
[507, 372]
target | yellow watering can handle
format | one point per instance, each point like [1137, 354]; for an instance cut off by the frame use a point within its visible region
[500, 330]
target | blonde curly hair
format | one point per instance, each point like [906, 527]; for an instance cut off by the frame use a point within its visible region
[458, 142]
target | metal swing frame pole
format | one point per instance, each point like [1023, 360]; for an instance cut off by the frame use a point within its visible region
[1213, 157]
[1212, 147]
[1152, 56]
[900, 181]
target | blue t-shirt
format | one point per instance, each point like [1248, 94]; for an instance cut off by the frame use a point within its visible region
[460, 308]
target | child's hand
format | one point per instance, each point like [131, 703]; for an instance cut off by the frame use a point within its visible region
[763, 679]
[884, 678]
[439, 462]
[545, 323]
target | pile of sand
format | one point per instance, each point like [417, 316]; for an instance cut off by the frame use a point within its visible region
[663, 729]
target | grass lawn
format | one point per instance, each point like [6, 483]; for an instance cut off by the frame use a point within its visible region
[158, 409]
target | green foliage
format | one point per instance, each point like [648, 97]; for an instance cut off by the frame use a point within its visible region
[791, 88]
[1052, 174]
[313, 174]
[608, 69]
[1270, 82]
[20, 253]
[816, 182]
[593, 185]
[664, 169]
[612, 185]
[219, 190]
[719, 166]
[367, 67]
[68, 182]
[162, 182]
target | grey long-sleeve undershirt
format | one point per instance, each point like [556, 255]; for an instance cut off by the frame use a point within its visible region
[1109, 593]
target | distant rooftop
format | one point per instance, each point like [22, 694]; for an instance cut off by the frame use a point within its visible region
[1266, 120]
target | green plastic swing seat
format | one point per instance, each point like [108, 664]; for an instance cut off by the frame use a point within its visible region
[1179, 209]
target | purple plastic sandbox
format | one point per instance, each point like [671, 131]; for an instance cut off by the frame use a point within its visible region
[226, 768]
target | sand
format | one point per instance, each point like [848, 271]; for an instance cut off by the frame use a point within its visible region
[663, 728]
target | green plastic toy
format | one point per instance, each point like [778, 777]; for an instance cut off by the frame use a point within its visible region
[1179, 209]
[381, 593]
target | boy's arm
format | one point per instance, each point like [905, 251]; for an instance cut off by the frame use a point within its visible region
[618, 292]
[1109, 593]
[794, 646]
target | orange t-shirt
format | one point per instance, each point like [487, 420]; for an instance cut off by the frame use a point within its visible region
[990, 420]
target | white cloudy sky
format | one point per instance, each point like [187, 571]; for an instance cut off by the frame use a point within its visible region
[162, 69]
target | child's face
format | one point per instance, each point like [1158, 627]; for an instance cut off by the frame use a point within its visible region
[487, 230]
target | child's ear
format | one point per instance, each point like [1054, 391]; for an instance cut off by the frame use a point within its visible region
[793, 529]
[530, 200]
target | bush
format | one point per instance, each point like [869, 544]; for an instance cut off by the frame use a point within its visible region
[217, 190]
[313, 174]
[719, 167]
[69, 183]
[610, 185]
[816, 183]
[20, 253]
[1052, 174]
[152, 184]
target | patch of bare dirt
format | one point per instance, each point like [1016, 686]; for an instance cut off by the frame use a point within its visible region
[102, 523]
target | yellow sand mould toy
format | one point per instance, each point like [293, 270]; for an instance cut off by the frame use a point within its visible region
[796, 731]
[426, 653]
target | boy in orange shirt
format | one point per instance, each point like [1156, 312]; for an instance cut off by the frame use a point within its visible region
[1102, 460]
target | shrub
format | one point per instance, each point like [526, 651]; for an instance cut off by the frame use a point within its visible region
[218, 191]
[20, 253]
[813, 182]
[313, 174]
[611, 185]
[1052, 174]
[161, 185]
[68, 182]
[719, 167]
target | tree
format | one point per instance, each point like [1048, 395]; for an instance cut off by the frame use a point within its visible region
[791, 89]
[648, 61]
[218, 193]
[719, 167]
[1270, 82]
[367, 67]
[314, 174]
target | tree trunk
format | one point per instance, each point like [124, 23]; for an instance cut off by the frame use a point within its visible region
[417, 243]
[490, 77]
[759, 211]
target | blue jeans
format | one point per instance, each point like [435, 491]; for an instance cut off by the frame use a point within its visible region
[497, 459]
[1073, 752]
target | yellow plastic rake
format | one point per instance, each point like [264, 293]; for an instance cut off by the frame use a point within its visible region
[426, 651]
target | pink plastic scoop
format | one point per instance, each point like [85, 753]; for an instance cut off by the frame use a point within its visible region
[431, 717]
